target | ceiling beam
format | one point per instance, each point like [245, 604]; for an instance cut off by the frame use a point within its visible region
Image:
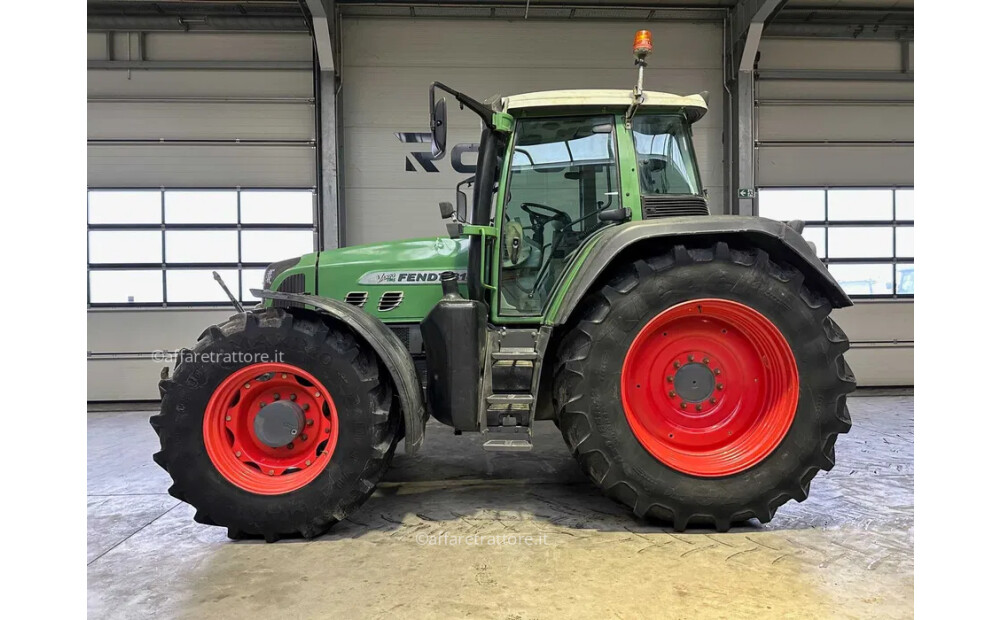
[322, 13]
[750, 17]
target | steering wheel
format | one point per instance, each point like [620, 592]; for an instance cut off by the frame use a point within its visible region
[538, 220]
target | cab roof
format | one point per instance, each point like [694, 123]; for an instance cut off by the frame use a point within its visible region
[694, 106]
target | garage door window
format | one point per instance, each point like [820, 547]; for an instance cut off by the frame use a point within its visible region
[158, 247]
[864, 235]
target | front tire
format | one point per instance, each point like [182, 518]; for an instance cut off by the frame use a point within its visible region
[704, 385]
[224, 466]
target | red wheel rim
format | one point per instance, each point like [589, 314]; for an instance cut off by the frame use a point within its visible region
[710, 387]
[241, 457]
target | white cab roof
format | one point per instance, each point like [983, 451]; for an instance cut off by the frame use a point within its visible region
[694, 104]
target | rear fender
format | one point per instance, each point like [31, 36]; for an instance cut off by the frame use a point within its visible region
[387, 346]
[780, 240]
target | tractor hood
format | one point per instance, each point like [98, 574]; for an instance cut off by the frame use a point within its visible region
[398, 281]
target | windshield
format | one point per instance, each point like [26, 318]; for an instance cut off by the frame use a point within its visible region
[665, 157]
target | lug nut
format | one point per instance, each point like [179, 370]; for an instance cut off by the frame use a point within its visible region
[718, 371]
[670, 379]
[305, 407]
[719, 386]
[677, 364]
[277, 396]
[698, 407]
[262, 404]
[303, 437]
[690, 358]
[704, 360]
[684, 405]
[672, 393]
[712, 400]
[293, 397]
[309, 422]
[290, 446]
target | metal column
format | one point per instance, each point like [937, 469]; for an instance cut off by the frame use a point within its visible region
[329, 122]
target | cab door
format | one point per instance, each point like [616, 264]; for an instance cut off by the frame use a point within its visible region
[562, 173]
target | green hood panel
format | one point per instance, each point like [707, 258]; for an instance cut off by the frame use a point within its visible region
[411, 268]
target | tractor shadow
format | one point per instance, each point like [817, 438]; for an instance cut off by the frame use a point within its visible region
[455, 488]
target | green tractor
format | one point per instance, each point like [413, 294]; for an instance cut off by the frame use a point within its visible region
[688, 359]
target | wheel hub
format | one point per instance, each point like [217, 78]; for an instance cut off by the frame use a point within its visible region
[694, 382]
[279, 423]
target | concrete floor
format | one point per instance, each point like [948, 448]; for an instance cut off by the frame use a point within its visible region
[847, 552]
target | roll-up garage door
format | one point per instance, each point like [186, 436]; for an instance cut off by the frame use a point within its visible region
[839, 153]
[201, 157]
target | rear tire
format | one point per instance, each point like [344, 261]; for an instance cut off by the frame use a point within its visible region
[676, 484]
[237, 494]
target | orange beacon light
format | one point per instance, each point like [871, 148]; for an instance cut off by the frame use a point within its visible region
[643, 43]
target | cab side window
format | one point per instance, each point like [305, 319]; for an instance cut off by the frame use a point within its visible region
[563, 173]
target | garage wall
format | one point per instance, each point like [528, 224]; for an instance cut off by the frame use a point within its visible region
[385, 93]
[825, 133]
[203, 126]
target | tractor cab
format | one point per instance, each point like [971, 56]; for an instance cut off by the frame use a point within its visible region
[576, 164]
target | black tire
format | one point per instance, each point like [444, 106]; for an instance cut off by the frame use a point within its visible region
[587, 386]
[368, 422]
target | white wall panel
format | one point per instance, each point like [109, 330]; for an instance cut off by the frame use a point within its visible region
[138, 331]
[199, 83]
[813, 166]
[836, 89]
[882, 367]
[201, 121]
[877, 321]
[228, 46]
[835, 122]
[180, 165]
[822, 54]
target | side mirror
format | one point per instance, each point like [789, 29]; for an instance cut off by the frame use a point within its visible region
[463, 208]
[615, 215]
[439, 129]
[447, 210]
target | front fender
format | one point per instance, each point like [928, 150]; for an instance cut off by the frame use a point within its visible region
[389, 348]
[777, 238]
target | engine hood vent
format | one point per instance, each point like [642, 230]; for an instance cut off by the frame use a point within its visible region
[390, 300]
[655, 206]
[357, 298]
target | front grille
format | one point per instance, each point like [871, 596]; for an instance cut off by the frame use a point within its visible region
[403, 333]
[357, 298]
[390, 300]
[295, 283]
[654, 206]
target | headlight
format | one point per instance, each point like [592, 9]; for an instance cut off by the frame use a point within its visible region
[274, 269]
